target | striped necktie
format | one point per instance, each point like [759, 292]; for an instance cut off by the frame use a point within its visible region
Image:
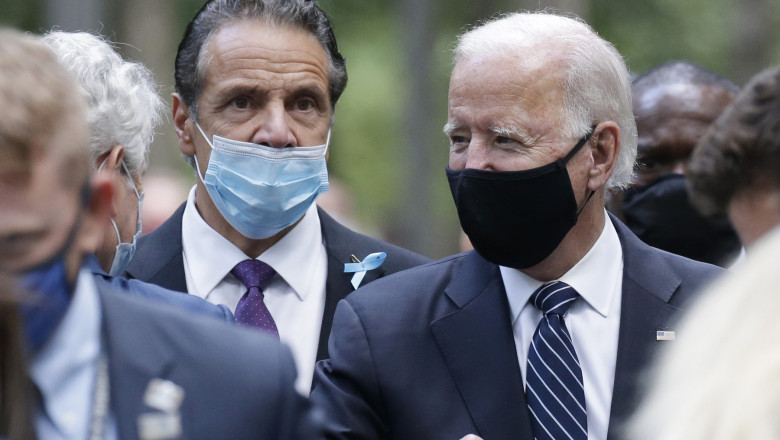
[554, 386]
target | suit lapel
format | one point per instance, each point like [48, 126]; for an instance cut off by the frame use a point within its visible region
[478, 347]
[158, 259]
[134, 360]
[648, 285]
[339, 247]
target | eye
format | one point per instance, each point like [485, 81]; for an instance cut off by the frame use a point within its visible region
[242, 102]
[459, 141]
[304, 105]
[503, 140]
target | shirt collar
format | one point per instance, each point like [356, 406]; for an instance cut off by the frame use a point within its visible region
[211, 256]
[601, 262]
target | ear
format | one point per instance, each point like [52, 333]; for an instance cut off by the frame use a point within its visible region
[182, 125]
[605, 147]
[112, 160]
[96, 213]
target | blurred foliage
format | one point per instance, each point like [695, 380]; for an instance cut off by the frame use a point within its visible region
[370, 115]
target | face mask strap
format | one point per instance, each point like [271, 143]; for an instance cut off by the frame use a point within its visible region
[574, 151]
[203, 133]
[579, 145]
[586, 203]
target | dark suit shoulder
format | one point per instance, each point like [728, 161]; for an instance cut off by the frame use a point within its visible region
[343, 240]
[411, 291]
[192, 335]
[158, 256]
[180, 300]
[672, 278]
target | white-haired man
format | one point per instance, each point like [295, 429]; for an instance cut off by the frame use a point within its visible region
[542, 330]
[123, 110]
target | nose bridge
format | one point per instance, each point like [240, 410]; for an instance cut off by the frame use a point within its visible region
[478, 154]
[273, 127]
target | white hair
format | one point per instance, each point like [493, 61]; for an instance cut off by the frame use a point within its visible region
[719, 379]
[123, 105]
[597, 85]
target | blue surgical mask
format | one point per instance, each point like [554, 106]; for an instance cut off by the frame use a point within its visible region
[124, 251]
[262, 190]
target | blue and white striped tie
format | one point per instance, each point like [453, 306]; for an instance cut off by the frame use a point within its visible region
[553, 387]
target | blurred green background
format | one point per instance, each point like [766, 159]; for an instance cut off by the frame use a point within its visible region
[387, 150]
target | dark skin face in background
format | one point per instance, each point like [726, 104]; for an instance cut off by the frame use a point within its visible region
[670, 119]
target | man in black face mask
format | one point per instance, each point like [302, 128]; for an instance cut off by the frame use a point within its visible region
[541, 331]
[674, 104]
[106, 363]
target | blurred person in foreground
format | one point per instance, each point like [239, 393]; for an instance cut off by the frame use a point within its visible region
[735, 168]
[257, 82]
[123, 110]
[674, 104]
[107, 364]
[542, 330]
[15, 421]
[719, 380]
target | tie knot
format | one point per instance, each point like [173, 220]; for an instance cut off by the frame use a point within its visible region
[253, 273]
[555, 297]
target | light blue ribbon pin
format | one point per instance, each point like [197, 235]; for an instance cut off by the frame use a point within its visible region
[372, 261]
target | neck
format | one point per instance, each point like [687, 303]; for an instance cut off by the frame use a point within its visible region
[210, 214]
[575, 244]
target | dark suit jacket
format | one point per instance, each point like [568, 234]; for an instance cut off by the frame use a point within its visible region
[158, 260]
[429, 353]
[154, 292]
[241, 390]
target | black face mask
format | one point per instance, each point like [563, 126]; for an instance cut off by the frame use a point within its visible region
[516, 218]
[662, 216]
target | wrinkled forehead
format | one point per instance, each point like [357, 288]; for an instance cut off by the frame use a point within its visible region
[530, 87]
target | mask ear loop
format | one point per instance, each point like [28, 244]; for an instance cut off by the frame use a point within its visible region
[195, 159]
[140, 197]
[574, 151]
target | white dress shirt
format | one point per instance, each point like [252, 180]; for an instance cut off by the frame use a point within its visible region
[296, 295]
[593, 320]
[65, 369]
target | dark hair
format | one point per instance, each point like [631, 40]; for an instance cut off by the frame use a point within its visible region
[741, 150]
[190, 72]
[683, 72]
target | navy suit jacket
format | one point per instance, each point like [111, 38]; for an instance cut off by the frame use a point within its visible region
[241, 390]
[154, 292]
[158, 260]
[429, 353]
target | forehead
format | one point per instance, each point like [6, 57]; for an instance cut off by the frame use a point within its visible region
[507, 90]
[252, 49]
[675, 116]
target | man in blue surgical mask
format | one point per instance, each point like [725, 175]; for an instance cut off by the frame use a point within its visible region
[256, 86]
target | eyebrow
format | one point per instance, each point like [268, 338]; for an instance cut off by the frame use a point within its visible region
[451, 127]
[240, 89]
[522, 135]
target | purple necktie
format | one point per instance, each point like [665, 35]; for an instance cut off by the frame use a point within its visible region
[251, 310]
